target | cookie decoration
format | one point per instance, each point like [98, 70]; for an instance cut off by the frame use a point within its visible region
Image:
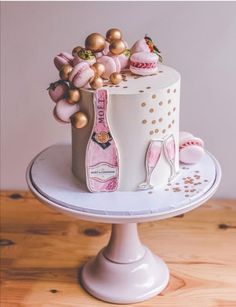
[102, 162]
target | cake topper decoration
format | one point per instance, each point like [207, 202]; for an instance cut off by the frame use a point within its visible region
[170, 154]
[153, 154]
[152, 157]
[102, 162]
[100, 60]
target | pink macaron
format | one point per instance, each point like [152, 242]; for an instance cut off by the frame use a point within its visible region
[62, 59]
[58, 90]
[81, 74]
[143, 63]
[191, 149]
[111, 63]
[63, 111]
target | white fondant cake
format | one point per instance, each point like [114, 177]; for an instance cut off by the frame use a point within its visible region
[141, 110]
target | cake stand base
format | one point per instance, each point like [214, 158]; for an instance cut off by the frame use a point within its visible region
[125, 271]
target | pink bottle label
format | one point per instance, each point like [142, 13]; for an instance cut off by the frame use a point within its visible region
[102, 163]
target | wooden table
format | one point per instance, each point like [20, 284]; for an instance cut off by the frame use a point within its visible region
[42, 252]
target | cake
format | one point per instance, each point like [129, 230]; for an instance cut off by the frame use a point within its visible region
[123, 105]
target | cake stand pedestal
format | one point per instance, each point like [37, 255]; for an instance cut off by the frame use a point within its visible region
[125, 271]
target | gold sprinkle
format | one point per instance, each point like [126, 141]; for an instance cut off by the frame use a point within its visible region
[160, 71]
[173, 121]
[154, 121]
[174, 109]
[168, 91]
[144, 121]
[125, 86]
[186, 195]
[151, 110]
[169, 126]
[169, 113]
[143, 104]
[141, 91]
[166, 189]
[151, 132]
[169, 101]
[160, 103]
[156, 130]
[175, 90]
[154, 96]
[160, 119]
[148, 87]
[164, 131]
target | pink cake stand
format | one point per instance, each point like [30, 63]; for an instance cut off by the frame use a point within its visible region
[125, 271]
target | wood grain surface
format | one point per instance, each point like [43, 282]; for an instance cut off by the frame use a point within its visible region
[42, 252]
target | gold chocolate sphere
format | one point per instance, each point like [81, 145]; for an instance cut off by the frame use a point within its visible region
[65, 72]
[73, 96]
[79, 120]
[115, 78]
[76, 50]
[98, 68]
[113, 34]
[96, 83]
[117, 47]
[95, 42]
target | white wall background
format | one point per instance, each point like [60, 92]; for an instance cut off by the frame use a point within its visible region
[198, 39]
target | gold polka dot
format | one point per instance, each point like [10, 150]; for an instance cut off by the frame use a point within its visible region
[143, 104]
[144, 121]
[141, 91]
[173, 121]
[154, 122]
[174, 109]
[169, 113]
[169, 126]
[156, 130]
[169, 101]
[160, 119]
[154, 96]
[151, 110]
[164, 131]
[168, 91]
[160, 103]
[151, 132]
[175, 90]
[148, 87]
